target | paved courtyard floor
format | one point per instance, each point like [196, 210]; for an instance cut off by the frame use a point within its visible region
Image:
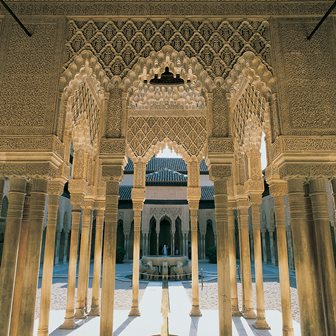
[180, 294]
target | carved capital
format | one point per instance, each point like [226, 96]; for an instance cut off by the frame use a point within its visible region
[113, 172]
[112, 147]
[219, 172]
[55, 187]
[279, 189]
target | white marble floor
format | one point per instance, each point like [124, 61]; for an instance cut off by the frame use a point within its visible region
[180, 323]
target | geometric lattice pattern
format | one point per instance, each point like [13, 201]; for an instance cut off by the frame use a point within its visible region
[217, 44]
[146, 132]
[84, 106]
[249, 116]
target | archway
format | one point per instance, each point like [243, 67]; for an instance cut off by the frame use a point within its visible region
[165, 235]
[153, 250]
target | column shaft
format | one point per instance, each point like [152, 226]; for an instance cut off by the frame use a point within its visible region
[48, 264]
[69, 320]
[223, 259]
[311, 314]
[195, 310]
[32, 264]
[245, 264]
[21, 263]
[83, 263]
[136, 256]
[260, 322]
[319, 200]
[10, 251]
[95, 310]
[109, 259]
[287, 322]
[233, 266]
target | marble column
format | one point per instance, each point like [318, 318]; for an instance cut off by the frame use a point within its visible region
[66, 245]
[55, 189]
[20, 267]
[88, 268]
[251, 241]
[311, 311]
[319, 201]
[233, 265]
[83, 260]
[278, 192]
[290, 248]
[109, 256]
[193, 208]
[185, 244]
[95, 308]
[157, 242]
[271, 237]
[57, 247]
[223, 257]
[126, 246]
[32, 260]
[260, 322]
[69, 320]
[136, 257]
[245, 261]
[263, 239]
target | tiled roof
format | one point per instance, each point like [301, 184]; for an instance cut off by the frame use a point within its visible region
[206, 193]
[157, 164]
[166, 176]
[125, 193]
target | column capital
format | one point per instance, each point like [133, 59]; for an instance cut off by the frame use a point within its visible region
[56, 187]
[138, 197]
[278, 189]
[255, 198]
[112, 172]
[220, 172]
[193, 195]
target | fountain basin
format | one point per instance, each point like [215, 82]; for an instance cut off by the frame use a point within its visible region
[165, 267]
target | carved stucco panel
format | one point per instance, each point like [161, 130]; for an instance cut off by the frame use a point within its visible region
[306, 73]
[29, 78]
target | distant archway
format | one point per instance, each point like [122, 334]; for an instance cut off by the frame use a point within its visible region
[165, 235]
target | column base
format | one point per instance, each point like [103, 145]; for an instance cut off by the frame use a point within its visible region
[288, 332]
[195, 311]
[134, 312]
[249, 314]
[95, 311]
[42, 332]
[236, 312]
[261, 324]
[69, 323]
[80, 314]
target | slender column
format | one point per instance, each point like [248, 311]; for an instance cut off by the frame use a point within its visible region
[260, 321]
[195, 310]
[233, 266]
[88, 267]
[2, 184]
[30, 275]
[271, 235]
[83, 260]
[311, 313]
[172, 249]
[136, 256]
[57, 246]
[278, 192]
[290, 248]
[185, 244]
[109, 258]
[223, 258]
[251, 246]
[263, 239]
[54, 191]
[69, 320]
[66, 244]
[319, 200]
[245, 262]
[95, 310]
[16, 199]
[157, 241]
[126, 246]
[21, 263]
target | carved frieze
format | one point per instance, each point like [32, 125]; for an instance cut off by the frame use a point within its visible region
[216, 44]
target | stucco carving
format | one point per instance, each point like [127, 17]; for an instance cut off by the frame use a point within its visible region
[216, 44]
[160, 213]
[189, 133]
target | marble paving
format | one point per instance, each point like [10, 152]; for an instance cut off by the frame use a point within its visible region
[180, 323]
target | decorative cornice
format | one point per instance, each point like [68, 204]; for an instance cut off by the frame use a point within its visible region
[169, 8]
